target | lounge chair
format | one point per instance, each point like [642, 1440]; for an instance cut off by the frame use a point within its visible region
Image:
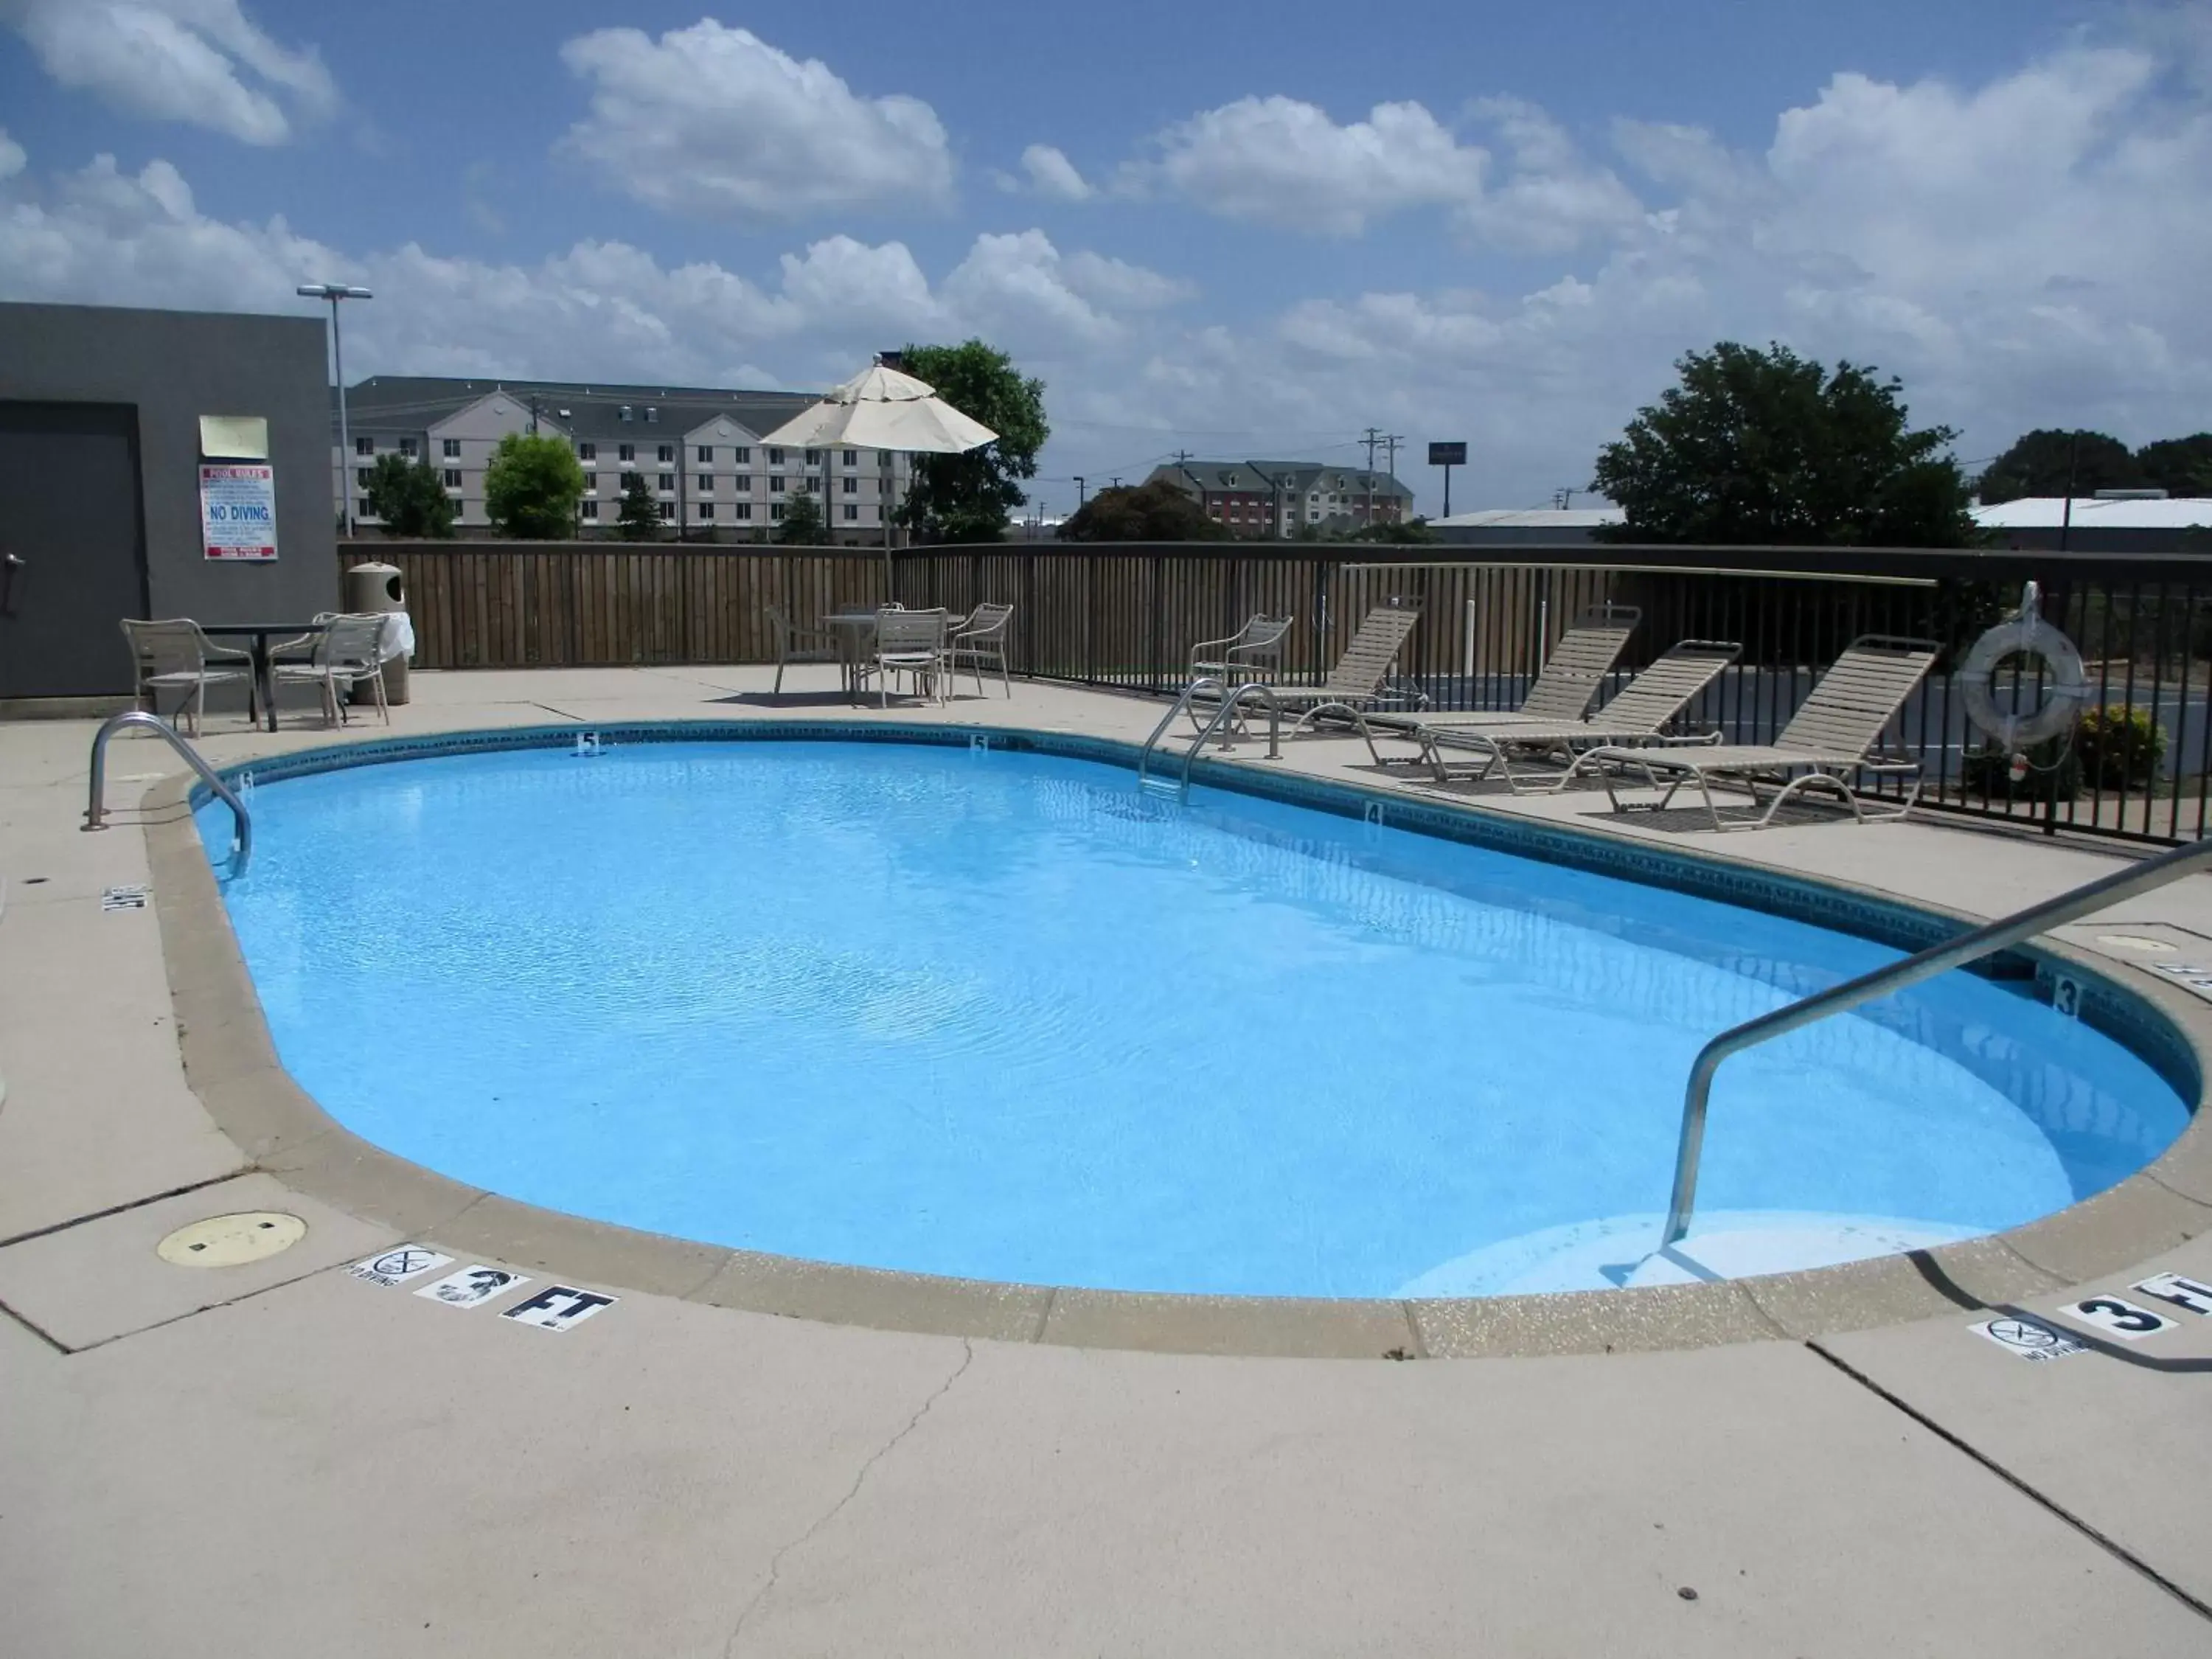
[1563, 688]
[1639, 714]
[1360, 676]
[910, 642]
[173, 655]
[1833, 735]
[1252, 652]
[979, 640]
[348, 650]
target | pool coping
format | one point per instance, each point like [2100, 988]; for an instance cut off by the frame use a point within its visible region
[231, 1065]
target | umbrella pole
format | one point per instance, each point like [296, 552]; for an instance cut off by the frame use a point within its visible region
[890, 484]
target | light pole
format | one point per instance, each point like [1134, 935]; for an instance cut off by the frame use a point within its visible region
[334, 292]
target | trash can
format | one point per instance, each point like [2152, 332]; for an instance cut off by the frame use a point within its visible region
[381, 588]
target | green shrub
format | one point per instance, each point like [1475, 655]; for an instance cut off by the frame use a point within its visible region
[2119, 747]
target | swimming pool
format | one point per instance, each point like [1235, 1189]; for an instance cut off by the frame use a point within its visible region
[997, 1015]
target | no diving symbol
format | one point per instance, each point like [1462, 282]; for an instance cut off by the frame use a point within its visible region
[401, 1262]
[2029, 1338]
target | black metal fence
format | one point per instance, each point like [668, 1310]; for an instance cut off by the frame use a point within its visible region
[1126, 615]
[1126, 618]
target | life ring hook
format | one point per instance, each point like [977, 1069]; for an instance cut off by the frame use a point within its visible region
[2066, 682]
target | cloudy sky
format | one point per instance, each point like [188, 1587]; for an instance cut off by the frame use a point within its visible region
[1244, 229]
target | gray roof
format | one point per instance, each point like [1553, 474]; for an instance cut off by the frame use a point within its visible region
[1263, 476]
[416, 402]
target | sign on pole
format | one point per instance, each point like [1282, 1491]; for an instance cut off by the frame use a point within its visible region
[1447, 456]
[238, 510]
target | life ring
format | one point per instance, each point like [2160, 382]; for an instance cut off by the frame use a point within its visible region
[2066, 682]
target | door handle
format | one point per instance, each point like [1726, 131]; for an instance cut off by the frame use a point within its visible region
[9, 564]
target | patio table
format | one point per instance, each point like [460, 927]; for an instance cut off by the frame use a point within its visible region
[852, 629]
[260, 633]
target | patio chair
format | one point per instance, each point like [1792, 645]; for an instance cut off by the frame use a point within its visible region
[174, 655]
[1252, 652]
[912, 642]
[980, 638]
[1833, 736]
[1639, 714]
[348, 651]
[796, 644]
[1361, 676]
[1564, 687]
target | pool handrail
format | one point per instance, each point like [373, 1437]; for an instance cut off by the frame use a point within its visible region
[1220, 717]
[96, 811]
[1145, 755]
[1969, 946]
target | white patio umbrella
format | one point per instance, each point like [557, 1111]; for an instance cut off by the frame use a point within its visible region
[881, 408]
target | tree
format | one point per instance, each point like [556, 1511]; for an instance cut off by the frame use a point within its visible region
[2046, 463]
[410, 497]
[1410, 532]
[1766, 447]
[2179, 466]
[640, 517]
[971, 497]
[532, 486]
[803, 524]
[1153, 512]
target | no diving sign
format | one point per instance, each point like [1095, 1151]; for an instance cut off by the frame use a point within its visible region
[2029, 1339]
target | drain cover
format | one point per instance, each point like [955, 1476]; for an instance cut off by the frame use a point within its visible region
[2136, 942]
[232, 1240]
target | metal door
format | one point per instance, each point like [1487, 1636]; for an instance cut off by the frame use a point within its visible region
[72, 548]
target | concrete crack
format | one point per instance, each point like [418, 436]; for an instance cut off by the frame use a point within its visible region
[860, 1479]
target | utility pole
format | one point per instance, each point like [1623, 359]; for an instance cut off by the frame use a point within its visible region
[1374, 437]
[1390, 443]
[1561, 499]
[1079, 497]
[334, 292]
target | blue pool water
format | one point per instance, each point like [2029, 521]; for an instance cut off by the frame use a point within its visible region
[994, 1015]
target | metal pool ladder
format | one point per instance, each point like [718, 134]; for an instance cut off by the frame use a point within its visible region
[1228, 704]
[1852, 993]
[96, 811]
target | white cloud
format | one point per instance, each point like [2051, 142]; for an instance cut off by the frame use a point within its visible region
[1285, 163]
[714, 121]
[12, 158]
[2022, 251]
[1051, 174]
[1288, 163]
[202, 62]
[603, 309]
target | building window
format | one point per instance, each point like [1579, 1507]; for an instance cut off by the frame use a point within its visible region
[361, 511]
[705, 483]
[742, 457]
[852, 485]
[852, 513]
[626, 452]
[407, 448]
[667, 454]
[364, 445]
[706, 509]
[590, 483]
[451, 448]
[775, 487]
[775, 457]
[775, 509]
[667, 483]
[706, 454]
[814, 458]
[852, 457]
[588, 451]
[667, 510]
[742, 510]
[743, 483]
[361, 475]
[591, 509]
[452, 478]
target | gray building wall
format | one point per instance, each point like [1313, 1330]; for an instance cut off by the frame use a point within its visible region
[175, 367]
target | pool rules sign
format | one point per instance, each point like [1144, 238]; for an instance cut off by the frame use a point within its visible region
[238, 510]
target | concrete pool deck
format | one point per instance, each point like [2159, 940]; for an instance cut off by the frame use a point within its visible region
[194, 1458]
